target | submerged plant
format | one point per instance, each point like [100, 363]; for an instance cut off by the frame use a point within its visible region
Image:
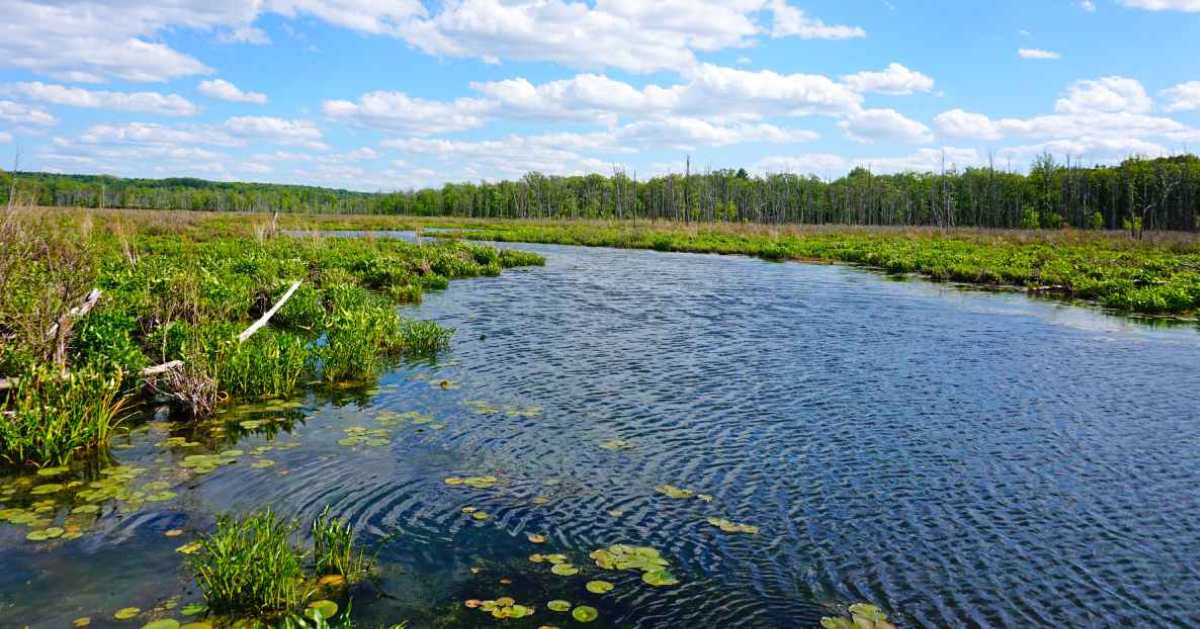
[250, 566]
[334, 552]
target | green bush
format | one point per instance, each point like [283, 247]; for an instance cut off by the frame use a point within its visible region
[54, 415]
[249, 566]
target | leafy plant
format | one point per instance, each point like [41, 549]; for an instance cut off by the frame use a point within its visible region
[249, 566]
[51, 415]
[334, 551]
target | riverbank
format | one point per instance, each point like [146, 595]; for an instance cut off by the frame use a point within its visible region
[1159, 275]
[104, 309]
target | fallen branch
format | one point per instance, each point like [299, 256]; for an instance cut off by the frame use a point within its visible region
[89, 302]
[158, 370]
[248, 332]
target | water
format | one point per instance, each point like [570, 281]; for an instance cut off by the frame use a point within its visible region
[960, 458]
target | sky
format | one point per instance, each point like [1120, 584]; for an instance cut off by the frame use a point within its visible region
[400, 94]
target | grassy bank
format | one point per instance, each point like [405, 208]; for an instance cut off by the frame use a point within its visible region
[178, 290]
[1159, 275]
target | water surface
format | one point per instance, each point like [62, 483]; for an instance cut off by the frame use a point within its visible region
[959, 458]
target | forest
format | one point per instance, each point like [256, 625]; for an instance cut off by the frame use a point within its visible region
[1137, 194]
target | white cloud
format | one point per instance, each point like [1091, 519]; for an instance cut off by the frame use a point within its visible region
[1037, 53]
[368, 16]
[1183, 97]
[224, 90]
[633, 35]
[245, 35]
[5, 137]
[870, 125]
[76, 40]
[957, 123]
[895, 80]
[824, 164]
[510, 157]
[1190, 6]
[142, 102]
[396, 111]
[686, 133]
[1087, 5]
[152, 134]
[790, 21]
[276, 130]
[1106, 95]
[24, 115]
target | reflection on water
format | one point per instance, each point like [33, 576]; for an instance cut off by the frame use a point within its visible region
[789, 438]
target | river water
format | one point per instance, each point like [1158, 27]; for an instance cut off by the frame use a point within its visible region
[959, 458]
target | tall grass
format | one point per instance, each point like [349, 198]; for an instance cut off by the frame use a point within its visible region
[51, 415]
[334, 551]
[249, 566]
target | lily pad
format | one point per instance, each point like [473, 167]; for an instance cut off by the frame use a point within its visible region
[564, 570]
[659, 578]
[80, 623]
[194, 609]
[558, 605]
[164, 623]
[728, 526]
[161, 496]
[327, 609]
[262, 464]
[536, 539]
[47, 488]
[584, 613]
[189, 548]
[125, 613]
[197, 625]
[51, 472]
[42, 535]
[599, 587]
[672, 491]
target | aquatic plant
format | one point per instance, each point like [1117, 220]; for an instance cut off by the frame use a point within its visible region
[334, 551]
[49, 415]
[249, 566]
[654, 568]
[862, 616]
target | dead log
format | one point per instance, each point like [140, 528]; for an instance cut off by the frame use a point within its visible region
[254, 327]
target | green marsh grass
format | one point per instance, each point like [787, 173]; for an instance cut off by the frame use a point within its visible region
[249, 566]
[52, 415]
[334, 551]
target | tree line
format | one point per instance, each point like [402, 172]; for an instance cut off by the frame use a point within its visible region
[1137, 194]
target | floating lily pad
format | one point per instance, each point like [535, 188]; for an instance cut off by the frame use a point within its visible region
[672, 491]
[189, 548]
[51, 472]
[480, 515]
[161, 496]
[125, 613]
[85, 509]
[728, 526]
[326, 609]
[536, 539]
[164, 623]
[262, 464]
[558, 605]
[584, 613]
[556, 558]
[197, 625]
[332, 581]
[564, 570]
[42, 535]
[47, 488]
[80, 623]
[659, 578]
[158, 485]
[615, 444]
[599, 587]
[537, 558]
[194, 609]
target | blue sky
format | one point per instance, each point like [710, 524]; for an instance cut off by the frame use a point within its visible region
[384, 95]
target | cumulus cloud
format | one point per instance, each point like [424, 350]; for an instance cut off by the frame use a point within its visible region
[870, 125]
[224, 90]
[829, 165]
[1183, 97]
[277, 130]
[895, 80]
[21, 115]
[793, 22]
[141, 102]
[397, 111]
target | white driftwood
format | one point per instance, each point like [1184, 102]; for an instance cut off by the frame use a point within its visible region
[89, 302]
[161, 369]
[248, 332]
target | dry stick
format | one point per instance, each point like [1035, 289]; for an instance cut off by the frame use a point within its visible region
[248, 332]
[78, 311]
